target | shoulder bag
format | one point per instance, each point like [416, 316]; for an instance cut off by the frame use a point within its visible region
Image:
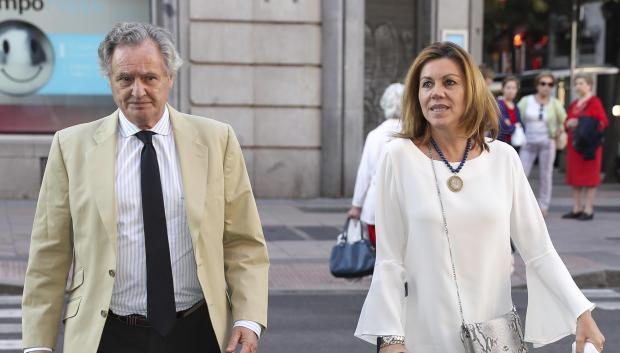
[499, 335]
[352, 259]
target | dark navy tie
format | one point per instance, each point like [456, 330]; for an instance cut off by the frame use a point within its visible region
[161, 310]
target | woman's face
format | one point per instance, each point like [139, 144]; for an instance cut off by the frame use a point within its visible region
[545, 85]
[582, 87]
[442, 93]
[509, 91]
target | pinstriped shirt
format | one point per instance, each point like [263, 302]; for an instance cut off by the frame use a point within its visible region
[129, 293]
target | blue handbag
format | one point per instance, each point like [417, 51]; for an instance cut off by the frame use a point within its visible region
[351, 260]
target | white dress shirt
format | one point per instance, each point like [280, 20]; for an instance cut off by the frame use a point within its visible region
[129, 293]
[495, 205]
[364, 193]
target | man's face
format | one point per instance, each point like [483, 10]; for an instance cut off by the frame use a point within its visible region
[140, 83]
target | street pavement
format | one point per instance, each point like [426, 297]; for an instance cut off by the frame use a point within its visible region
[300, 234]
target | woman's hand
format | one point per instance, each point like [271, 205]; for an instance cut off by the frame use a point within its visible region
[355, 212]
[587, 330]
[394, 348]
[572, 123]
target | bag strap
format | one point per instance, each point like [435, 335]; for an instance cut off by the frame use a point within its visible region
[445, 228]
[345, 230]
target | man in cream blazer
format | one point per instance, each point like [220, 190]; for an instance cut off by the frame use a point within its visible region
[82, 213]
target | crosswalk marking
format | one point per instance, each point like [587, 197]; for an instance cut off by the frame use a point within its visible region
[10, 328]
[11, 313]
[608, 305]
[11, 300]
[600, 293]
[10, 344]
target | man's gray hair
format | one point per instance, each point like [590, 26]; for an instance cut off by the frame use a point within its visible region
[135, 33]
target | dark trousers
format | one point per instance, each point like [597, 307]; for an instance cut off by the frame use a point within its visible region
[193, 333]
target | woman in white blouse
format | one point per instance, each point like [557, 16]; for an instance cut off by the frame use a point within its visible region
[363, 203]
[412, 303]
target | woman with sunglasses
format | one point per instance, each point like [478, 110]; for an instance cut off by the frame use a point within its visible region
[543, 117]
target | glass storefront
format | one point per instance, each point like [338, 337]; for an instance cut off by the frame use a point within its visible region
[49, 75]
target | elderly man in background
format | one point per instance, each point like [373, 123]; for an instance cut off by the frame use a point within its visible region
[153, 211]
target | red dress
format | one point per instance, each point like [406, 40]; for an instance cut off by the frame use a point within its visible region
[580, 172]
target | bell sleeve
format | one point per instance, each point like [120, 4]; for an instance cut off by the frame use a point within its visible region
[383, 312]
[554, 300]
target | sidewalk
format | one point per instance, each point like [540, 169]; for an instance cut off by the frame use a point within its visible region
[300, 234]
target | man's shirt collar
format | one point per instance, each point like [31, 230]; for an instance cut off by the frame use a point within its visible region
[127, 128]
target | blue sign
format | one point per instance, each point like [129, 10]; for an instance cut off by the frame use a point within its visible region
[76, 70]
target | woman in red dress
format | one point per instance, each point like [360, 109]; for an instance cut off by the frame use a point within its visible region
[582, 174]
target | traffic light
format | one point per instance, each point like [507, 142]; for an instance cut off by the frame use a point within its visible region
[517, 40]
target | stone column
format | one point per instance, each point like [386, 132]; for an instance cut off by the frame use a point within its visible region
[332, 96]
[353, 91]
[257, 66]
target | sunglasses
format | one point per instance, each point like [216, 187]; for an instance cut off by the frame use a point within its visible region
[541, 112]
[546, 83]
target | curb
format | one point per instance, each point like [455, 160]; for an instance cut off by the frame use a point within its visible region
[598, 279]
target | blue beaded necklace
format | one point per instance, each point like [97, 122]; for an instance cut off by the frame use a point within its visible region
[455, 183]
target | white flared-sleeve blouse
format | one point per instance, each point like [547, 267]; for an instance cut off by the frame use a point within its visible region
[495, 205]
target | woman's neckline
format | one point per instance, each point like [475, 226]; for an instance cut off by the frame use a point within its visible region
[582, 102]
[425, 154]
[540, 101]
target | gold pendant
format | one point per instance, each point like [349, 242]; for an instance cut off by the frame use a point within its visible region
[455, 183]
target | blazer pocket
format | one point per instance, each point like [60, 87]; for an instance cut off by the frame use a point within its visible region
[77, 280]
[72, 308]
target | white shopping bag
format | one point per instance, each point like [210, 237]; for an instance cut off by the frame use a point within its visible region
[518, 136]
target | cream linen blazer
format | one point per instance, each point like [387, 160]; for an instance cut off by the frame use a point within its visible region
[75, 224]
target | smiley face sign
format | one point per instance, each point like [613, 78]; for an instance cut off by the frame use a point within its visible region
[26, 58]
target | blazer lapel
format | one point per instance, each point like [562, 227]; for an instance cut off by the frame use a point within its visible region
[193, 160]
[101, 169]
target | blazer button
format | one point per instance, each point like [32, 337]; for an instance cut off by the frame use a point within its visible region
[112, 273]
[104, 313]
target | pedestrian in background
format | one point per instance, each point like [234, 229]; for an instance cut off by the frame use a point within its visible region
[487, 73]
[542, 116]
[510, 118]
[363, 203]
[444, 173]
[154, 211]
[583, 173]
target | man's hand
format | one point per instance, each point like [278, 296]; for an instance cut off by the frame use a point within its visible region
[244, 337]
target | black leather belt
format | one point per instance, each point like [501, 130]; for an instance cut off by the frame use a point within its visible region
[140, 320]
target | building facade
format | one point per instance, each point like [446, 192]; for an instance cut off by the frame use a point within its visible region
[299, 81]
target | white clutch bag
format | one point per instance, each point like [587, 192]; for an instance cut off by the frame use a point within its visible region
[589, 348]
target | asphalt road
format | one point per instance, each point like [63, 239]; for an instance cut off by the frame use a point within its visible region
[324, 323]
